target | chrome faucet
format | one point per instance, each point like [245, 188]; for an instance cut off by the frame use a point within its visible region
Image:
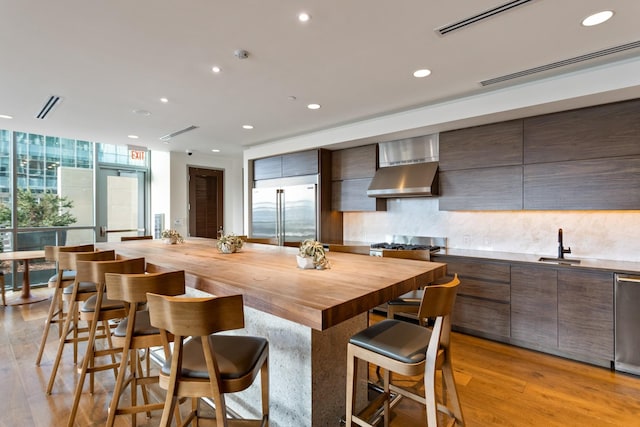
[561, 249]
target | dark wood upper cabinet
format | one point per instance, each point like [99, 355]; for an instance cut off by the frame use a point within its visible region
[302, 163]
[267, 168]
[286, 165]
[497, 144]
[351, 172]
[610, 130]
[354, 163]
[597, 184]
[498, 188]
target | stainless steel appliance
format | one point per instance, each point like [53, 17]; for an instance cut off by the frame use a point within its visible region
[627, 319]
[287, 213]
[411, 247]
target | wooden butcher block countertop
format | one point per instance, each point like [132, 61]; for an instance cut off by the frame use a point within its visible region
[269, 280]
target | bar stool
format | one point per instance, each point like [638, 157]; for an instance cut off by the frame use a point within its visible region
[136, 333]
[59, 281]
[209, 365]
[96, 309]
[68, 261]
[409, 349]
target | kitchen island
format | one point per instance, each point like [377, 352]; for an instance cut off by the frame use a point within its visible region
[307, 315]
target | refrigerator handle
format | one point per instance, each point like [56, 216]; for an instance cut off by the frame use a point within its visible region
[279, 216]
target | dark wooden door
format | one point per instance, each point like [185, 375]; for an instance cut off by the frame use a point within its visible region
[206, 202]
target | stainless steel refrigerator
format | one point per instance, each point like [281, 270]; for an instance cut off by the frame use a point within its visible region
[288, 213]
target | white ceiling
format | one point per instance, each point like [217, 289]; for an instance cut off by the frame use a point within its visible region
[355, 58]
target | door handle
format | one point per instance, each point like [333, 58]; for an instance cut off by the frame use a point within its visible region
[103, 230]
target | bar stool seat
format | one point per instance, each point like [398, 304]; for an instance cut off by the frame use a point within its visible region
[83, 287]
[401, 341]
[142, 326]
[237, 356]
[68, 276]
[89, 305]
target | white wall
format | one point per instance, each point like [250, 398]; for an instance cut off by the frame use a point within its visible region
[611, 235]
[175, 188]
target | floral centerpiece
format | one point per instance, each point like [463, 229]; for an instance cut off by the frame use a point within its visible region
[312, 255]
[229, 243]
[171, 237]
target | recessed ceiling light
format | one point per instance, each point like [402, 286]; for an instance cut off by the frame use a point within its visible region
[215, 150]
[216, 69]
[597, 18]
[421, 73]
[313, 106]
[247, 127]
[164, 100]
[304, 17]
[4, 116]
[132, 136]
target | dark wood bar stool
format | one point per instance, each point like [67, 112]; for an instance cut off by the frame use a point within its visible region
[409, 349]
[100, 308]
[62, 279]
[209, 365]
[135, 333]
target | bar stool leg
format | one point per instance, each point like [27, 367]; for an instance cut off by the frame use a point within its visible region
[55, 309]
[63, 337]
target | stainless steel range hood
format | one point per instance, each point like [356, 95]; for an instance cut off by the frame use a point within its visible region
[408, 168]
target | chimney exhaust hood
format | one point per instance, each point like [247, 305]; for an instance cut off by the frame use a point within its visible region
[408, 168]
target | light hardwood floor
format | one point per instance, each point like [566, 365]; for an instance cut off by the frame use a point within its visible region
[499, 385]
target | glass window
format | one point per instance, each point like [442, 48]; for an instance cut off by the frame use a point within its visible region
[120, 155]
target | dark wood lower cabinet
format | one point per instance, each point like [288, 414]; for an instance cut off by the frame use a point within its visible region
[585, 313]
[566, 311]
[534, 306]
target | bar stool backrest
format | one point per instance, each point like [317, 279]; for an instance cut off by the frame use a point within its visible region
[51, 252]
[94, 271]
[133, 288]
[438, 300]
[69, 260]
[196, 316]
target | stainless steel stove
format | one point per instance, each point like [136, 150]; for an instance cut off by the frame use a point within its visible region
[412, 247]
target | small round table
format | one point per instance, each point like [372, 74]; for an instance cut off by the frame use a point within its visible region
[25, 296]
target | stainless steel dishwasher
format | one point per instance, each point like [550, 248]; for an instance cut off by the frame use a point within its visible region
[627, 323]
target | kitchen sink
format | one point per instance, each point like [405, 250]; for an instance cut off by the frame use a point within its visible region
[559, 260]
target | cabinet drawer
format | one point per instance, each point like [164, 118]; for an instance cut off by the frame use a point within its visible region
[483, 289]
[486, 317]
[490, 271]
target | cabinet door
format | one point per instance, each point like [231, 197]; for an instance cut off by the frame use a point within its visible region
[497, 144]
[267, 168]
[534, 306]
[302, 163]
[481, 189]
[585, 313]
[584, 184]
[610, 130]
[351, 195]
[354, 163]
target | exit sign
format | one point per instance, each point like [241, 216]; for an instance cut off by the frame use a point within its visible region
[137, 154]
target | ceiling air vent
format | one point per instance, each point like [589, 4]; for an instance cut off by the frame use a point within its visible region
[563, 63]
[176, 133]
[48, 106]
[481, 16]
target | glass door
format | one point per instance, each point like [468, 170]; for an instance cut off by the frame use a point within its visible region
[120, 205]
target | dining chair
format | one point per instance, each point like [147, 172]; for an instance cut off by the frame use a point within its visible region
[71, 324]
[100, 308]
[410, 350]
[60, 281]
[135, 333]
[209, 364]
